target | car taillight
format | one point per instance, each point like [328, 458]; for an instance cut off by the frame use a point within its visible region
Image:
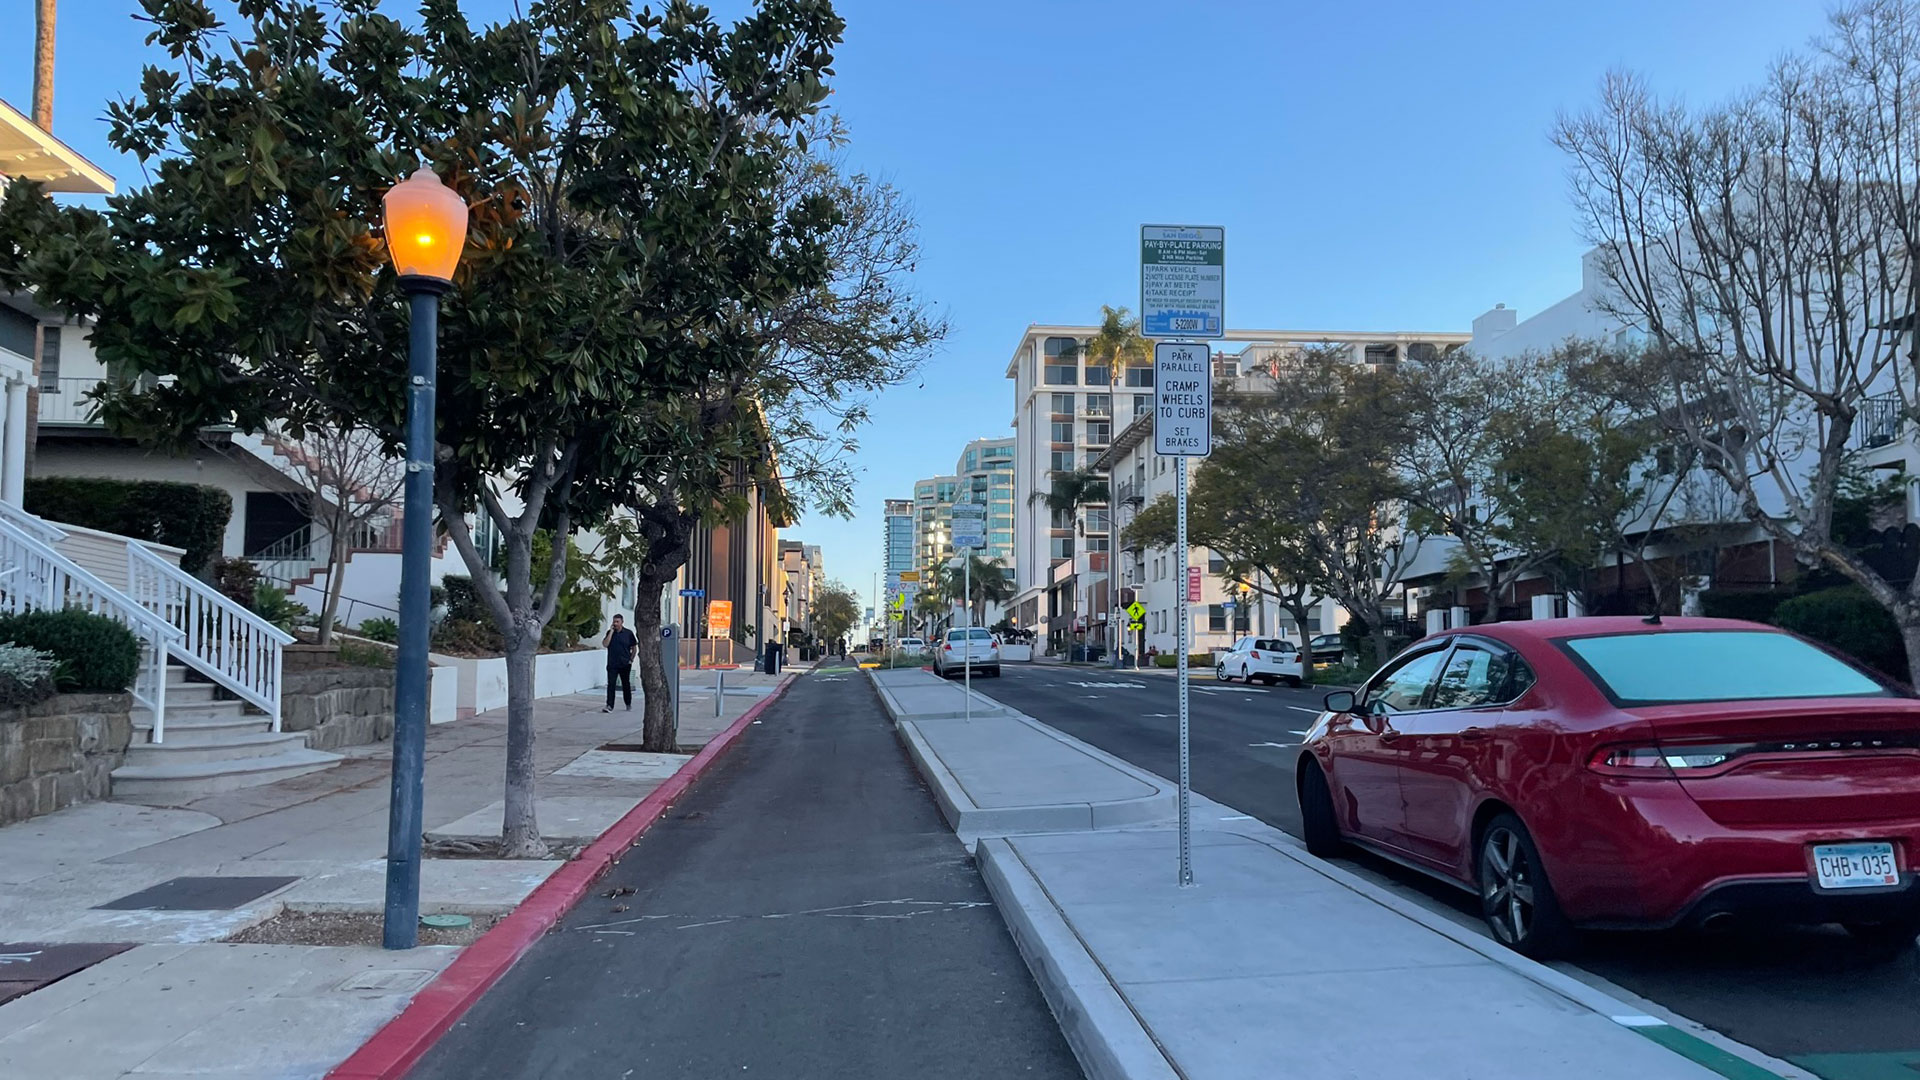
[1657, 761]
[1256, 654]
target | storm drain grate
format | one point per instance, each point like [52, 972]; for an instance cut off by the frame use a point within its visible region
[28, 966]
[199, 894]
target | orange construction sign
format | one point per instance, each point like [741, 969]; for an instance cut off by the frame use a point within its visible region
[720, 618]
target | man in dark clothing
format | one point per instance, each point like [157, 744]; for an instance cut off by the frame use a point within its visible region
[620, 644]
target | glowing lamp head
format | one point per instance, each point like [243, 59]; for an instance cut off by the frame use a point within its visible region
[426, 225]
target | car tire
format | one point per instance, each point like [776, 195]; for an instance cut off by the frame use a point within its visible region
[1318, 826]
[1516, 899]
[1220, 673]
[992, 672]
[1891, 936]
[1295, 680]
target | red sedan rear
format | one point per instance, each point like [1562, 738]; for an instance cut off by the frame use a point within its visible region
[1607, 772]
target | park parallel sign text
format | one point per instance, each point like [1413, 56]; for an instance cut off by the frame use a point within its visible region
[1183, 270]
[1182, 399]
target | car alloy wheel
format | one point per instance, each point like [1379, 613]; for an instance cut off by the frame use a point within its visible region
[1515, 896]
[1220, 673]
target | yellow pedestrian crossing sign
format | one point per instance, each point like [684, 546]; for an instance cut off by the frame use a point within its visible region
[1136, 610]
[899, 601]
[1136, 626]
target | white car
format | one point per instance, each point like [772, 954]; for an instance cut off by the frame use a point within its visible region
[960, 643]
[1268, 660]
[912, 644]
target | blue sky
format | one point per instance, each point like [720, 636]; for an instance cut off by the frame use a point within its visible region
[1377, 166]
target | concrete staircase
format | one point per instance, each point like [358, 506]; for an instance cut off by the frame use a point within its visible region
[211, 746]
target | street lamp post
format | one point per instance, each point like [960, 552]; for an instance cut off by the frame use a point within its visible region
[426, 226]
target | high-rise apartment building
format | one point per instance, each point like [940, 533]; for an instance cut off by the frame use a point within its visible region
[897, 541]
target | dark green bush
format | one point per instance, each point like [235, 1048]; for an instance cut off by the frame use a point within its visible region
[189, 516]
[463, 599]
[1849, 620]
[96, 654]
[1753, 605]
[385, 630]
[237, 580]
[1199, 661]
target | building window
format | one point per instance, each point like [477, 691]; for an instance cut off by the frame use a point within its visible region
[1139, 376]
[1061, 547]
[49, 359]
[1061, 375]
[1099, 433]
[1099, 375]
[1062, 519]
[1097, 543]
[1098, 521]
[1063, 404]
[1141, 406]
[1216, 564]
[1063, 431]
[1062, 461]
[1060, 346]
[1216, 617]
[1099, 404]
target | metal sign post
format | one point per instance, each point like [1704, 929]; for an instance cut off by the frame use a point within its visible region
[969, 524]
[1183, 428]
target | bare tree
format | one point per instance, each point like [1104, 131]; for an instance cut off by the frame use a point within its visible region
[352, 486]
[1766, 248]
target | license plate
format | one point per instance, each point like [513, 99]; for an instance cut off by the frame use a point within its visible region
[1864, 865]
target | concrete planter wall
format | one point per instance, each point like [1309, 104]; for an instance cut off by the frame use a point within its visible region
[1016, 652]
[443, 694]
[60, 752]
[482, 683]
[341, 706]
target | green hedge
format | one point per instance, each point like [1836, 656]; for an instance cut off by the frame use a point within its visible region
[189, 516]
[1196, 660]
[1850, 620]
[95, 654]
[1752, 605]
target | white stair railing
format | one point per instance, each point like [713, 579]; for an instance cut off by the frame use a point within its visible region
[220, 639]
[35, 577]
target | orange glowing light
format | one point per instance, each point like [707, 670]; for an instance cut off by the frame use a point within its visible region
[426, 226]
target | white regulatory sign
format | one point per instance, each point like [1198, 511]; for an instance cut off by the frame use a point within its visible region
[1183, 270]
[969, 523]
[1182, 399]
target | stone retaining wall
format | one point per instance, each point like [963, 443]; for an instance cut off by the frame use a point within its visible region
[60, 752]
[338, 706]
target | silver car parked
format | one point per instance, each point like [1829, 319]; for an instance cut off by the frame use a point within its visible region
[959, 644]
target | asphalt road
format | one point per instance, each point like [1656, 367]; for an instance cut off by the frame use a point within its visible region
[804, 913]
[1812, 997]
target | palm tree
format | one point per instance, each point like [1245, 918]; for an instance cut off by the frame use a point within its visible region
[1118, 342]
[990, 585]
[1072, 490]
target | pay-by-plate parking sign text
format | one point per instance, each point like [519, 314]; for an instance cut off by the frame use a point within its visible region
[1182, 400]
[1183, 270]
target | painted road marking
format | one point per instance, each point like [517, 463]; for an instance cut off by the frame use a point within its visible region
[1101, 685]
[1281, 745]
[1238, 817]
[1303, 708]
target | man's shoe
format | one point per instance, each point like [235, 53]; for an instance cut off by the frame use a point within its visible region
[606, 708]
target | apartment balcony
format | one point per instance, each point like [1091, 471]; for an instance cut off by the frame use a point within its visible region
[1879, 422]
[1130, 492]
[1097, 412]
[66, 403]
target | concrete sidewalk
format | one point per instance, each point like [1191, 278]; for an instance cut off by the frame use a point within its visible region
[1274, 962]
[183, 1002]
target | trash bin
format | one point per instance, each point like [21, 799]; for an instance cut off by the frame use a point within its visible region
[771, 665]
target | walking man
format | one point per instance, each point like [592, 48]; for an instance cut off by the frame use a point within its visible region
[620, 644]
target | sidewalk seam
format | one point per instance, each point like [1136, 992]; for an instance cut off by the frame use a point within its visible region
[405, 1039]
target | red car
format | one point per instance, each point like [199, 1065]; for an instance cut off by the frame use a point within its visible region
[1612, 773]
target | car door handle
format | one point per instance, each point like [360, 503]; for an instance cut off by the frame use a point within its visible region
[1473, 733]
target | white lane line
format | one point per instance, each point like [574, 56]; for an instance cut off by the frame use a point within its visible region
[1281, 745]
[1238, 817]
[1295, 731]
[1304, 709]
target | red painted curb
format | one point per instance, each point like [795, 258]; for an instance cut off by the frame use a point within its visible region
[399, 1045]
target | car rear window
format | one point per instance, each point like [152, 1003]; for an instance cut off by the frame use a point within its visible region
[976, 634]
[1679, 666]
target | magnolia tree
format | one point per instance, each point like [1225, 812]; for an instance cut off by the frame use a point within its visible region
[353, 487]
[1766, 248]
[631, 229]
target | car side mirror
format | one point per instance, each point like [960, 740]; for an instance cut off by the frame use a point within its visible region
[1341, 701]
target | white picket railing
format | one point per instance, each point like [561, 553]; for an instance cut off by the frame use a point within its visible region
[222, 640]
[35, 577]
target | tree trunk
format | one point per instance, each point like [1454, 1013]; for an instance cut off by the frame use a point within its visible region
[1299, 613]
[659, 727]
[520, 830]
[336, 581]
[1491, 613]
[1910, 636]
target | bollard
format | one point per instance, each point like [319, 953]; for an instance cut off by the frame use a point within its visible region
[720, 692]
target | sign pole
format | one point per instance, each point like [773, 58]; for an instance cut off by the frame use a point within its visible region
[1186, 647]
[966, 598]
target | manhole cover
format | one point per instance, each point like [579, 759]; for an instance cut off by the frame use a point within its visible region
[445, 922]
[199, 894]
[28, 966]
[397, 981]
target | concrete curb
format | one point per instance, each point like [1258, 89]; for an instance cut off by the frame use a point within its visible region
[1107, 1037]
[398, 1046]
[964, 817]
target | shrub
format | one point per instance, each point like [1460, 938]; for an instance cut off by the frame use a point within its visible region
[467, 638]
[385, 630]
[237, 579]
[26, 675]
[273, 605]
[95, 655]
[1848, 619]
[1753, 606]
[1196, 660]
[358, 654]
[463, 599]
[188, 516]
